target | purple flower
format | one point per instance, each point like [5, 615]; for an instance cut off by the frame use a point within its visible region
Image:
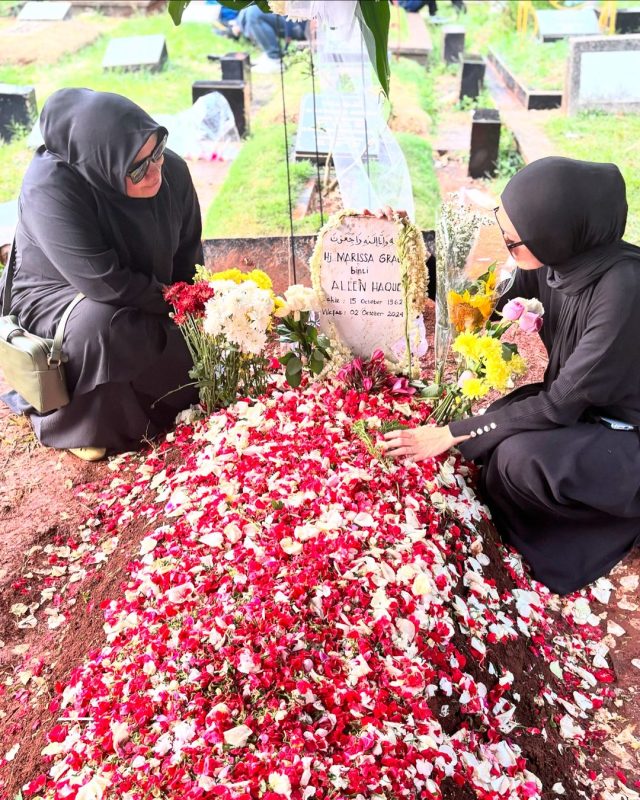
[513, 310]
[530, 322]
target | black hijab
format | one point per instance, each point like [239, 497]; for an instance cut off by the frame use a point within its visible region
[571, 215]
[97, 133]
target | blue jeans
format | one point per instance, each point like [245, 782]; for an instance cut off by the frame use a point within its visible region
[265, 29]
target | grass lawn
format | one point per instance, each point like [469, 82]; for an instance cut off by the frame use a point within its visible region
[537, 65]
[165, 92]
[607, 138]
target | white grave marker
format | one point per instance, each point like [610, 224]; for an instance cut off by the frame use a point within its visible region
[604, 74]
[361, 282]
[44, 11]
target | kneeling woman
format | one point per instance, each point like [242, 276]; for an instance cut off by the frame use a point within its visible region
[106, 211]
[564, 489]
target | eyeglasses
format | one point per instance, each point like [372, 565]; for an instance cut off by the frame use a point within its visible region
[509, 245]
[139, 170]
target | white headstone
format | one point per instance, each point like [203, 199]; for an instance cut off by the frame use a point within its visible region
[136, 52]
[553, 25]
[45, 11]
[361, 282]
[604, 74]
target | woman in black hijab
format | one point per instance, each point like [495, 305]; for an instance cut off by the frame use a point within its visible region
[564, 489]
[107, 211]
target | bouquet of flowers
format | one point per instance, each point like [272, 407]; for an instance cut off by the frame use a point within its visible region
[225, 318]
[484, 363]
[464, 301]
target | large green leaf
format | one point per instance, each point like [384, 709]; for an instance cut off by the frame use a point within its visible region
[177, 7]
[375, 14]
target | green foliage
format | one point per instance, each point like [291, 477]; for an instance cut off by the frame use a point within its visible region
[509, 159]
[253, 200]
[426, 189]
[376, 15]
[605, 138]
[411, 75]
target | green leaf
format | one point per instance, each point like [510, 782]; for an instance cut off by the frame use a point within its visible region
[177, 7]
[286, 358]
[294, 380]
[433, 390]
[294, 366]
[509, 350]
[238, 5]
[316, 362]
[375, 15]
[176, 10]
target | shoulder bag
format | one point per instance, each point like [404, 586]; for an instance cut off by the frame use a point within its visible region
[32, 365]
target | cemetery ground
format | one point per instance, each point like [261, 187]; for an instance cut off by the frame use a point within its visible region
[67, 532]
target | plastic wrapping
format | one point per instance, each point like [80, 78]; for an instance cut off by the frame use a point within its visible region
[370, 165]
[205, 131]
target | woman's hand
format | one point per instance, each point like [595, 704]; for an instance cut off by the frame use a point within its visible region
[386, 212]
[427, 441]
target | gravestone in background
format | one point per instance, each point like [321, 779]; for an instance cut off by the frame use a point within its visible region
[45, 11]
[628, 20]
[361, 282]
[485, 142]
[603, 74]
[453, 39]
[136, 52]
[554, 25]
[416, 45]
[17, 108]
[472, 78]
[331, 111]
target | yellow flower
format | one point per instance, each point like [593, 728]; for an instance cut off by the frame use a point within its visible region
[474, 388]
[228, 275]
[488, 347]
[470, 311]
[467, 345]
[260, 278]
[517, 365]
[497, 373]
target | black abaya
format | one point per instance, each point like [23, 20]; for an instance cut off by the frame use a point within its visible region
[565, 490]
[78, 231]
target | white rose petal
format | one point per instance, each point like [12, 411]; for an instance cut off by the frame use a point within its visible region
[421, 585]
[147, 545]
[280, 784]
[11, 754]
[238, 736]
[180, 594]
[290, 546]
[95, 788]
[213, 539]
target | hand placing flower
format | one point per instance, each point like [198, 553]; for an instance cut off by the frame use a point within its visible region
[427, 441]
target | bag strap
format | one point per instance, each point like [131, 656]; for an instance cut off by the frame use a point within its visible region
[55, 357]
[8, 281]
